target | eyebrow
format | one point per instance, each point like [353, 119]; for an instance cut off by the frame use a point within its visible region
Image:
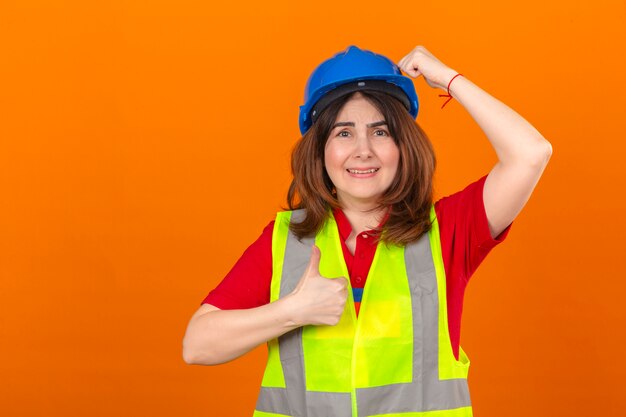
[380, 123]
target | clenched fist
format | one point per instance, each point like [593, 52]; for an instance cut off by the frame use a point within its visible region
[420, 61]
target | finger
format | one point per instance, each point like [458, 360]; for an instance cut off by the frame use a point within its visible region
[314, 262]
[402, 61]
[405, 63]
[409, 67]
[343, 281]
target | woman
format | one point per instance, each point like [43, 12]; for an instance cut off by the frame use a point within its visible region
[361, 210]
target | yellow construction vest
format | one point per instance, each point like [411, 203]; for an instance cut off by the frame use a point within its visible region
[395, 360]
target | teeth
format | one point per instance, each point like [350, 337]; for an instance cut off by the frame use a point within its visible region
[367, 171]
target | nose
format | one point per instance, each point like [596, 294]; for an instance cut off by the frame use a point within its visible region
[363, 148]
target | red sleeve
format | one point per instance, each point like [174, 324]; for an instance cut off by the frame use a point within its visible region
[465, 236]
[465, 242]
[247, 285]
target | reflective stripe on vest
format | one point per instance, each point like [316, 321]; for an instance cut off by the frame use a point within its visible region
[395, 360]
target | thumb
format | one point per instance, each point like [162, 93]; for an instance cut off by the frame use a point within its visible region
[414, 72]
[314, 262]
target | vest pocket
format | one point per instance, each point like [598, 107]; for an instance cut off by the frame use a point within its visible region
[463, 361]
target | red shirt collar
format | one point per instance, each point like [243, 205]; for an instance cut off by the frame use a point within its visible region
[343, 224]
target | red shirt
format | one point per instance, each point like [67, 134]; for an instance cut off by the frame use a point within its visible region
[465, 242]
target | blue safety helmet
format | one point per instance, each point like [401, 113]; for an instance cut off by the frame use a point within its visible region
[352, 70]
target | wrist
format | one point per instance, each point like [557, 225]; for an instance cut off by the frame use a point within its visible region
[448, 87]
[450, 74]
[289, 310]
[453, 80]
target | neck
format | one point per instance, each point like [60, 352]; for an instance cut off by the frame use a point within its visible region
[360, 218]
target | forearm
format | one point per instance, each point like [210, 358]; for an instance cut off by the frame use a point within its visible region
[223, 335]
[512, 137]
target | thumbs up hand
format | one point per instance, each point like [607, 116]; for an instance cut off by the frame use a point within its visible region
[316, 299]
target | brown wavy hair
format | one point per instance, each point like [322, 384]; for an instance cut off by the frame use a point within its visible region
[409, 196]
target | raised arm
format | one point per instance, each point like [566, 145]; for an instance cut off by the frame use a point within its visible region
[522, 151]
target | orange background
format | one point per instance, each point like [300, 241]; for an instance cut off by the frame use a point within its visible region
[144, 145]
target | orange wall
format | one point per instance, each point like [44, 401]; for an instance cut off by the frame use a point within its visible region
[144, 146]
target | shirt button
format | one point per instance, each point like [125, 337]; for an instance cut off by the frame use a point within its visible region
[361, 255]
[357, 280]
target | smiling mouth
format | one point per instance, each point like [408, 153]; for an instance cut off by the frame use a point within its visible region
[364, 171]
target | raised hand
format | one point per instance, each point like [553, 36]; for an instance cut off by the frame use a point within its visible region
[317, 299]
[421, 62]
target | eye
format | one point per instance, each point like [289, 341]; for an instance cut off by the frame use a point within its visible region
[342, 133]
[381, 132]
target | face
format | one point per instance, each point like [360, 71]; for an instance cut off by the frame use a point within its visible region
[360, 155]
